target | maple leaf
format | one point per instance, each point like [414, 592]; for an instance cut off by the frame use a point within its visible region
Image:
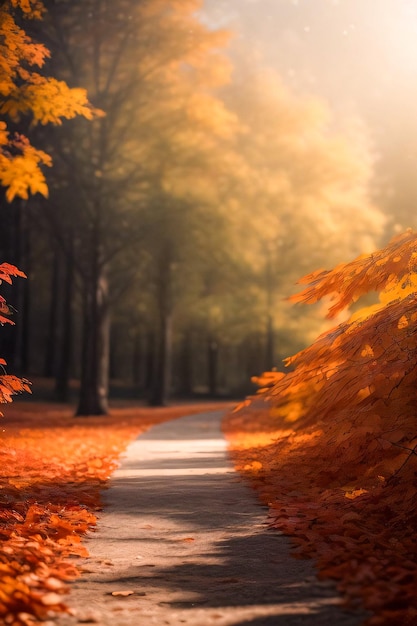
[7, 270]
[391, 269]
[11, 385]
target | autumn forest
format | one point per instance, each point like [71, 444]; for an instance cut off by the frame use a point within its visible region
[179, 217]
[168, 204]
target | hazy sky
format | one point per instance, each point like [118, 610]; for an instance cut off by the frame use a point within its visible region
[351, 51]
[360, 55]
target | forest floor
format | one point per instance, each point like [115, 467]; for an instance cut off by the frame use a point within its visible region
[182, 540]
[53, 469]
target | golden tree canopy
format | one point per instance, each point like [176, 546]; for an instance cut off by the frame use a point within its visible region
[26, 92]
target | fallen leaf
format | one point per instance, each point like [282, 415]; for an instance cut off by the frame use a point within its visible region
[124, 594]
[49, 599]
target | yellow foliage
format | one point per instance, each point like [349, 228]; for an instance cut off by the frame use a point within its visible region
[31, 8]
[22, 175]
[4, 135]
[49, 100]
[16, 50]
[24, 92]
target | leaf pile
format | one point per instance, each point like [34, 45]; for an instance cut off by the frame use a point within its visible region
[52, 469]
[331, 446]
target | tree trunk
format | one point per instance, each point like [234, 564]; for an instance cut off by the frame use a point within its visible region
[52, 340]
[113, 362]
[22, 337]
[66, 339]
[95, 349]
[137, 355]
[269, 351]
[150, 360]
[162, 366]
[185, 382]
[212, 365]
[161, 382]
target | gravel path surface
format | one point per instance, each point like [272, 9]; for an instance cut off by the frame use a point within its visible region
[186, 542]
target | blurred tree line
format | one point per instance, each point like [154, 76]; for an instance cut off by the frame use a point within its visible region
[177, 222]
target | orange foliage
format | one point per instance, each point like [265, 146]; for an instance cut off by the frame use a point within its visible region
[332, 445]
[52, 469]
[389, 268]
[9, 385]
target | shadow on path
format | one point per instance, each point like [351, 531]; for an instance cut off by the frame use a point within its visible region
[188, 539]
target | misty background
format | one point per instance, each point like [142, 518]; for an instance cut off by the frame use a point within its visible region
[245, 143]
[360, 56]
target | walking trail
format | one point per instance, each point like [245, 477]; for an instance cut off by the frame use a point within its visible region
[186, 541]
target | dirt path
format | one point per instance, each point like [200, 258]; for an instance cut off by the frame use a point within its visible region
[188, 540]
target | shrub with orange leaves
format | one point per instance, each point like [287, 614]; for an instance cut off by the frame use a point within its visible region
[336, 441]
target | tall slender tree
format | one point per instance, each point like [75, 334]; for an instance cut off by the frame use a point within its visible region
[305, 199]
[25, 93]
[135, 59]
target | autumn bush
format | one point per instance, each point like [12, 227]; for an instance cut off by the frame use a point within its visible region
[331, 446]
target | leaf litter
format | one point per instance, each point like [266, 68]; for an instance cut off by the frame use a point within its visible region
[53, 468]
